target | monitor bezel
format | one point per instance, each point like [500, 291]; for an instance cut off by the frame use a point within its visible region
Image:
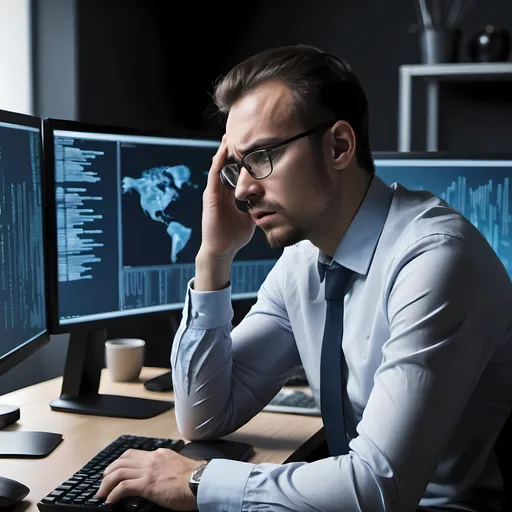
[442, 155]
[49, 126]
[17, 355]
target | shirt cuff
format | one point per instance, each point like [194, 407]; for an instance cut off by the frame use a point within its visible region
[209, 310]
[222, 485]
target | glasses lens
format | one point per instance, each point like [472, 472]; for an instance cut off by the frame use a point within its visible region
[230, 172]
[258, 163]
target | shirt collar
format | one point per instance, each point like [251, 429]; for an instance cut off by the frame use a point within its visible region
[356, 248]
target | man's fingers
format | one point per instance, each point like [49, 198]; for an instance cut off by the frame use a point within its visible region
[127, 459]
[117, 478]
[218, 160]
[133, 487]
[220, 155]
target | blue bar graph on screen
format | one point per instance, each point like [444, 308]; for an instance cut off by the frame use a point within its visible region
[479, 189]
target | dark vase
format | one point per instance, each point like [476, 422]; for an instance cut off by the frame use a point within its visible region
[490, 45]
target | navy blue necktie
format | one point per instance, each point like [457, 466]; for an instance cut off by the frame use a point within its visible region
[332, 360]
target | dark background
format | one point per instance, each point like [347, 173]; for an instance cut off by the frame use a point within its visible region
[152, 64]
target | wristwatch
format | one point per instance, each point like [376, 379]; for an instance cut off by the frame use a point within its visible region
[195, 478]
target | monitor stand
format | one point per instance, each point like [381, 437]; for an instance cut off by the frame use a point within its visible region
[24, 444]
[82, 372]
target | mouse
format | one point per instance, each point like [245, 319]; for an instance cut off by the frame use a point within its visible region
[11, 492]
[162, 382]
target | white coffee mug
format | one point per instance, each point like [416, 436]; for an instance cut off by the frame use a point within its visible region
[124, 358]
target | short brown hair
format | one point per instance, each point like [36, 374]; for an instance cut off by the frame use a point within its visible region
[314, 78]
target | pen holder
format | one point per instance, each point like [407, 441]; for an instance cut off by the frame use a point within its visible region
[439, 46]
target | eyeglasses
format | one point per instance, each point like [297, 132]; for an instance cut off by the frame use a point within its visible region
[259, 162]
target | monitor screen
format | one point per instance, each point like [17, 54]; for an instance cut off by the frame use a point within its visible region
[478, 187]
[128, 222]
[22, 278]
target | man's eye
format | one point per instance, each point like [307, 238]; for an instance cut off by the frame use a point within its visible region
[276, 153]
[259, 158]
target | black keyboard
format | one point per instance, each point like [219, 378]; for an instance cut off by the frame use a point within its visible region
[78, 492]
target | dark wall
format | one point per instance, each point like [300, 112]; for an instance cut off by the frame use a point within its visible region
[374, 38]
[120, 65]
[153, 63]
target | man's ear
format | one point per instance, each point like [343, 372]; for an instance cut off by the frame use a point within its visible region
[343, 144]
[340, 146]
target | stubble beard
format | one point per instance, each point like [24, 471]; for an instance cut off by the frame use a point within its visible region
[279, 238]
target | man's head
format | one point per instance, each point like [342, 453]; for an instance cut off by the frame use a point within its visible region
[281, 94]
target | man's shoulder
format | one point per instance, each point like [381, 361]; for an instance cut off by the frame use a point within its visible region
[417, 216]
[418, 213]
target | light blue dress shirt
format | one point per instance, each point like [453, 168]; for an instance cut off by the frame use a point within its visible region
[427, 340]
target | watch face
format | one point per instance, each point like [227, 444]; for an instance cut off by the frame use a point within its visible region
[195, 478]
[198, 472]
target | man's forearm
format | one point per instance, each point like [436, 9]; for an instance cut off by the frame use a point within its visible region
[218, 383]
[221, 374]
[201, 353]
[212, 272]
[210, 401]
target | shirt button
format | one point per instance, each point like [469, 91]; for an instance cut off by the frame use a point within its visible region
[195, 314]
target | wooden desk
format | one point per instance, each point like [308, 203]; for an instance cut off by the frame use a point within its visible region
[276, 438]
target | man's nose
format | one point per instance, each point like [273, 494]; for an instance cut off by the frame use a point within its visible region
[247, 187]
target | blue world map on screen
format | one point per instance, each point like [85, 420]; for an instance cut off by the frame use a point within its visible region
[158, 187]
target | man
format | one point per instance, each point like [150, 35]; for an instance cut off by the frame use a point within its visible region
[414, 402]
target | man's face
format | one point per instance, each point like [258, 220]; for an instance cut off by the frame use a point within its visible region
[293, 200]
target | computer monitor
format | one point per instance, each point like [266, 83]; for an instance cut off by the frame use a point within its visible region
[127, 209]
[23, 326]
[477, 185]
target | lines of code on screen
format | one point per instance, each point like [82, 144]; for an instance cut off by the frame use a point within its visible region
[22, 300]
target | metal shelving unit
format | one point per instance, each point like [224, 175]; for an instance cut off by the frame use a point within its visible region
[434, 74]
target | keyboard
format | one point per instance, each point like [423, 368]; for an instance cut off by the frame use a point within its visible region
[77, 494]
[293, 402]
